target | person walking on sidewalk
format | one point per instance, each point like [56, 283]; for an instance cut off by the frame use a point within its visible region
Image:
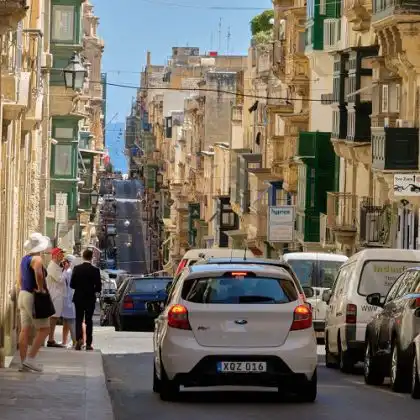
[56, 287]
[31, 279]
[69, 311]
[86, 282]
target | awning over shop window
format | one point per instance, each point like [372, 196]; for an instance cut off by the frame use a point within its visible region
[238, 233]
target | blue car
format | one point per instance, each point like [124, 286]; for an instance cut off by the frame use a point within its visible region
[129, 311]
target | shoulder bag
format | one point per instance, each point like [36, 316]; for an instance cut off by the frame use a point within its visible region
[43, 305]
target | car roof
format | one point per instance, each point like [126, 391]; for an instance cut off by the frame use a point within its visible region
[320, 256]
[386, 254]
[241, 260]
[205, 270]
[112, 271]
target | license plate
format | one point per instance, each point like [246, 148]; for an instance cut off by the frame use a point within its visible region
[242, 367]
[319, 334]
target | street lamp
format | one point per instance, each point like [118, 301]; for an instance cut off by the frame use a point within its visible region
[74, 73]
[94, 198]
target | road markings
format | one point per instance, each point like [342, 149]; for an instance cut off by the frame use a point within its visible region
[386, 391]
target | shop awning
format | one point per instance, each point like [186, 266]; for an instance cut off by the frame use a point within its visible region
[235, 233]
[92, 152]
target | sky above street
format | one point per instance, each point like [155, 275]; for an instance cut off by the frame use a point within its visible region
[131, 27]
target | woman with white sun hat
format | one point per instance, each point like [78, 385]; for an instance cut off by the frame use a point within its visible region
[31, 279]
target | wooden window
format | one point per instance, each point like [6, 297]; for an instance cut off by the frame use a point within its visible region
[397, 98]
[385, 99]
[63, 23]
[63, 159]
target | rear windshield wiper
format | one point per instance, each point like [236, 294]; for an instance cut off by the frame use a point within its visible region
[255, 299]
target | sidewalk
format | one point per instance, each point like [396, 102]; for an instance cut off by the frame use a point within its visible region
[72, 387]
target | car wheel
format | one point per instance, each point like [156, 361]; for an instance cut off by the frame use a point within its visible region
[168, 389]
[415, 386]
[307, 392]
[371, 368]
[346, 362]
[398, 378]
[330, 360]
[156, 380]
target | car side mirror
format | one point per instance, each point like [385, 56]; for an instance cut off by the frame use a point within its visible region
[326, 296]
[155, 308]
[309, 291]
[374, 299]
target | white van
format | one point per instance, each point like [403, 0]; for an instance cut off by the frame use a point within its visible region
[316, 270]
[348, 313]
[193, 255]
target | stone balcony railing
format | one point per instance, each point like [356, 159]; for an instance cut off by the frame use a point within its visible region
[13, 11]
[237, 114]
[342, 211]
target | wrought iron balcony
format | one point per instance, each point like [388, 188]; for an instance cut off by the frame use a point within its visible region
[386, 8]
[395, 148]
[375, 224]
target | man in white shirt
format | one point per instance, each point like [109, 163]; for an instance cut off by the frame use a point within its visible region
[56, 287]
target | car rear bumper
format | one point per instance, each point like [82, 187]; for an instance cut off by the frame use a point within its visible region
[205, 374]
[180, 354]
[137, 318]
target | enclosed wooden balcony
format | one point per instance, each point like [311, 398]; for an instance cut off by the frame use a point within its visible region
[342, 215]
[383, 9]
[395, 148]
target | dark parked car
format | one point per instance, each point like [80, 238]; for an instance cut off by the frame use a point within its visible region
[129, 310]
[391, 336]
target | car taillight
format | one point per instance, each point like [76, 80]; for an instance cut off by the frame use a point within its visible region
[302, 318]
[351, 314]
[181, 266]
[128, 303]
[178, 318]
[417, 303]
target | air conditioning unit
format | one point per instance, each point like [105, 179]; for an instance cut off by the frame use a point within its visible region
[404, 124]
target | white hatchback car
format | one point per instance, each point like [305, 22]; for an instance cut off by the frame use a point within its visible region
[233, 324]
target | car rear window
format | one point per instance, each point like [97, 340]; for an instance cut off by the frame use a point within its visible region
[245, 290]
[149, 285]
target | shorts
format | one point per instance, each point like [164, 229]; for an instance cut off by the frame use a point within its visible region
[26, 307]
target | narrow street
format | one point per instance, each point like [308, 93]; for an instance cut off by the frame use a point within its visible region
[130, 239]
[128, 367]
